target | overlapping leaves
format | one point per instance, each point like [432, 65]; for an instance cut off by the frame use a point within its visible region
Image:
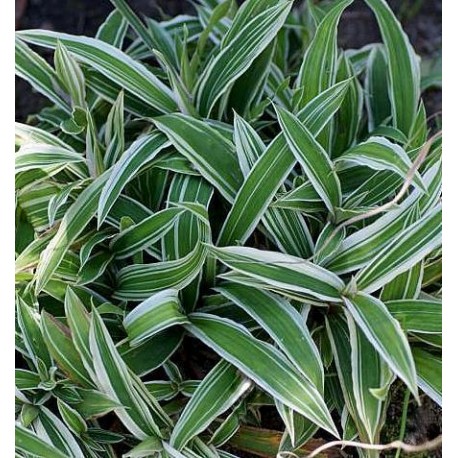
[151, 216]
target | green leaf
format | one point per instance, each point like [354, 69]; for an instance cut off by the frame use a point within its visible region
[419, 316]
[50, 426]
[236, 55]
[95, 404]
[367, 374]
[347, 123]
[312, 158]
[71, 75]
[405, 286]
[285, 326]
[378, 153]
[376, 89]
[272, 168]
[30, 443]
[288, 230]
[403, 67]
[148, 447]
[114, 132]
[319, 67]
[115, 380]
[35, 70]
[385, 334]
[63, 351]
[339, 338]
[73, 223]
[144, 234]
[429, 370]
[185, 234]
[141, 152]
[264, 364]
[137, 282]
[112, 63]
[216, 393]
[113, 30]
[157, 313]
[26, 380]
[410, 247]
[359, 248]
[72, 418]
[32, 336]
[78, 320]
[45, 157]
[282, 273]
[198, 141]
[328, 242]
[151, 354]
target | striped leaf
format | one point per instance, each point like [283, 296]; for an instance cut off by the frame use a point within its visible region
[319, 67]
[429, 370]
[35, 70]
[312, 158]
[216, 393]
[30, 134]
[348, 119]
[378, 153]
[303, 198]
[376, 88]
[339, 338]
[115, 380]
[72, 418]
[361, 247]
[45, 157]
[70, 75]
[50, 426]
[32, 335]
[142, 235]
[137, 282]
[73, 223]
[185, 234]
[282, 273]
[113, 30]
[385, 334]
[264, 364]
[403, 67]
[114, 132]
[157, 313]
[140, 153]
[403, 252]
[61, 347]
[288, 230]
[238, 53]
[273, 167]
[284, 325]
[367, 374]
[78, 320]
[198, 142]
[406, 285]
[29, 442]
[148, 356]
[419, 316]
[110, 62]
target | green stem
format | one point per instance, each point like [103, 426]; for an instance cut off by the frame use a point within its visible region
[402, 432]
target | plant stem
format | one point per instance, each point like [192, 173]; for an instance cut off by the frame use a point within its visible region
[405, 408]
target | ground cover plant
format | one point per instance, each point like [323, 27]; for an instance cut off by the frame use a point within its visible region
[220, 216]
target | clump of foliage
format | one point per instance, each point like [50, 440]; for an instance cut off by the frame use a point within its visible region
[221, 214]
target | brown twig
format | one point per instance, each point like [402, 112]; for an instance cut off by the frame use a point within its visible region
[408, 448]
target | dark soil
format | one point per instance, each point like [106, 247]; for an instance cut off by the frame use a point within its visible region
[421, 19]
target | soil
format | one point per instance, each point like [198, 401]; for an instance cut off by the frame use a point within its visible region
[422, 21]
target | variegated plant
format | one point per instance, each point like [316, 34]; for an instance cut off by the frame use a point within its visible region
[233, 178]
